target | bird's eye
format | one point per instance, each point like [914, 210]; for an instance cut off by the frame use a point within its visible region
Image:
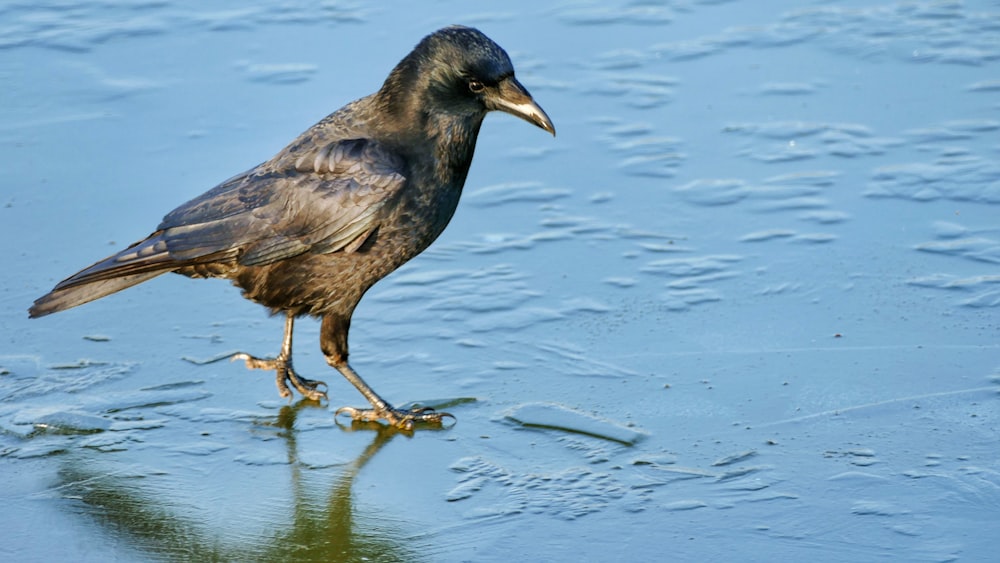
[476, 86]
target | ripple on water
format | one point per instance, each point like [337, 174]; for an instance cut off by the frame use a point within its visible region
[490, 298]
[572, 360]
[692, 266]
[984, 86]
[640, 91]
[690, 49]
[713, 192]
[26, 376]
[567, 493]
[791, 204]
[278, 73]
[549, 416]
[876, 508]
[767, 234]
[949, 131]
[814, 238]
[684, 299]
[908, 32]
[514, 192]
[43, 405]
[107, 442]
[634, 14]
[824, 217]
[82, 26]
[725, 483]
[620, 130]
[494, 298]
[61, 420]
[617, 59]
[978, 248]
[788, 130]
[777, 193]
[805, 178]
[668, 248]
[516, 319]
[262, 457]
[688, 504]
[641, 153]
[556, 226]
[734, 458]
[621, 281]
[45, 447]
[799, 140]
[984, 289]
[689, 276]
[119, 401]
[960, 178]
[787, 88]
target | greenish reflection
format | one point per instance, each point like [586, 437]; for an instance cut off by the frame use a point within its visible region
[318, 531]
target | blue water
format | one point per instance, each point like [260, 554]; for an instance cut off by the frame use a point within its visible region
[744, 306]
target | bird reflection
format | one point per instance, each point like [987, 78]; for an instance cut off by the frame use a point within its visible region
[332, 532]
[329, 529]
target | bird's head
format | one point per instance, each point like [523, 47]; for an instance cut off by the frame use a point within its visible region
[459, 71]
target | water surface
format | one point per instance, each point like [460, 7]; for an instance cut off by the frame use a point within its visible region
[743, 307]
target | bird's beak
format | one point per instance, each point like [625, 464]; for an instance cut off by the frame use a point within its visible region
[513, 98]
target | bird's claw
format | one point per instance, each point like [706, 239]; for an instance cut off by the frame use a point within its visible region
[252, 362]
[309, 388]
[399, 418]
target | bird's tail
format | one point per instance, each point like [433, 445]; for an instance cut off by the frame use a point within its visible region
[143, 260]
[62, 299]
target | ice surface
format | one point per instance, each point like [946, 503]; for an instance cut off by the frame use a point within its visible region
[743, 308]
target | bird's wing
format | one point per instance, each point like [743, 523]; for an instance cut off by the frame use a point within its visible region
[329, 198]
[359, 180]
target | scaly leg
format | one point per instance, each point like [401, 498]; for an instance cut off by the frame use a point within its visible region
[333, 341]
[282, 365]
[381, 410]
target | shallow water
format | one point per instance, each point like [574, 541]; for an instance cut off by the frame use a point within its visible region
[743, 307]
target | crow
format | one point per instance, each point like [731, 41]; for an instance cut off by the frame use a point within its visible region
[350, 200]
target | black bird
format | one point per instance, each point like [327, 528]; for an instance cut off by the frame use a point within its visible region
[349, 201]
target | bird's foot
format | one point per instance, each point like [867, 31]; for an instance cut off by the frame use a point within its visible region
[284, 375]
[404, 419]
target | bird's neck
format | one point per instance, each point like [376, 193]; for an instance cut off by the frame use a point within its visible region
[429, 133]
[454, 144]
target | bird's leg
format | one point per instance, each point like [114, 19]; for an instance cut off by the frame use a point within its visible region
[282, 365]
[333, 340]
[381, 410]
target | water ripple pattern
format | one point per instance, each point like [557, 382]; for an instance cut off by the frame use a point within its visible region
[743, 306]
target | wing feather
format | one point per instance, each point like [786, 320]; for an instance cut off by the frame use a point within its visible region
[330, 198]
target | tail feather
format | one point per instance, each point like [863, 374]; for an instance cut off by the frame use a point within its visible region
[73, 295]
[143, 260]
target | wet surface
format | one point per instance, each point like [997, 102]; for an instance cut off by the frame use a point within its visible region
[744, 307]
